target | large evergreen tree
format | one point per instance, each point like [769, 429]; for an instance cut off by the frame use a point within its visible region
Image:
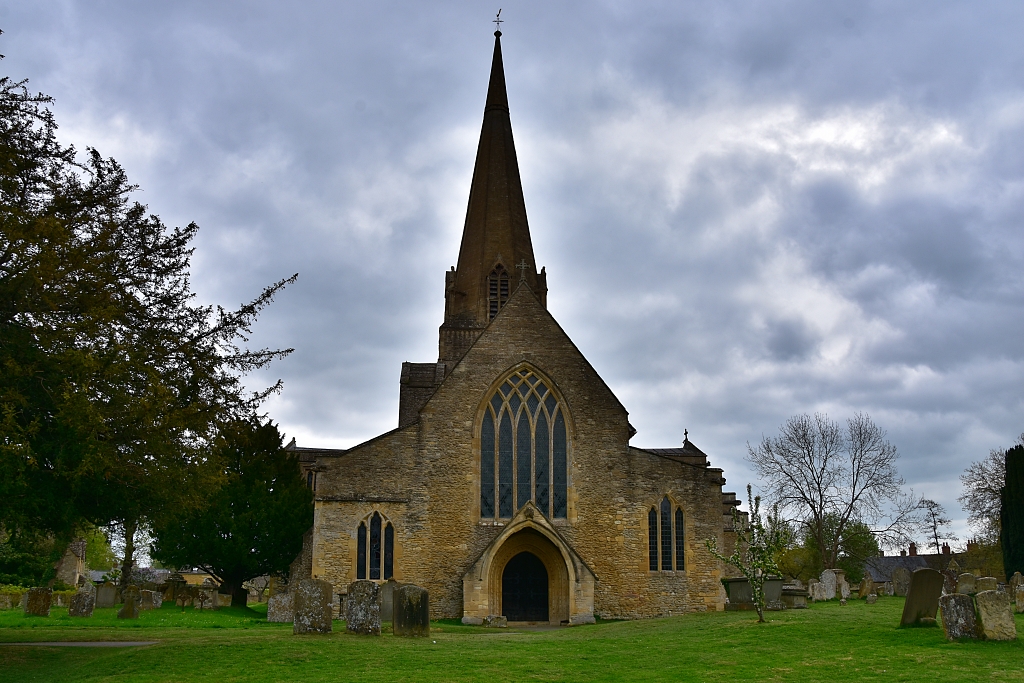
[255, 522]
[113, 383]
[1012, 516]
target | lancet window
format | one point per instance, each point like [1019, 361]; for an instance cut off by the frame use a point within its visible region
[497, 291]
[375, 548]
[523, 450]
[666, 537]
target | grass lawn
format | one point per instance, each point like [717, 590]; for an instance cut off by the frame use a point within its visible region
[827, 642]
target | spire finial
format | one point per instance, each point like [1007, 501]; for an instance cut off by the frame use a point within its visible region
[498, 21]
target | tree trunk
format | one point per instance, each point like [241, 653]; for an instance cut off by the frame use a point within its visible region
[128, 565]
[239, 595]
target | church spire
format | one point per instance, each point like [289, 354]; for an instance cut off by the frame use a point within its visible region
[496, 252]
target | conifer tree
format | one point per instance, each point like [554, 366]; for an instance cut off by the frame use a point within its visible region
[1012, 517]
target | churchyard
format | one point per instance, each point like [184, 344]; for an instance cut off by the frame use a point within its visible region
[826, 642]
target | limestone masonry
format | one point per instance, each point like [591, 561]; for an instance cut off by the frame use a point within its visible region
[509, 488]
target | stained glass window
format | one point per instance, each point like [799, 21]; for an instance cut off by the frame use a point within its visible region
[680, 565]
[361, 552]
[529, 451]
[389, 551]
[652, 538]
[375, 546]
[666, 534]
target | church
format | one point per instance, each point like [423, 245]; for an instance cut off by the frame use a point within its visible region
[509, 486]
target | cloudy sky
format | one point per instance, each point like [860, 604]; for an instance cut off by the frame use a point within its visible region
[747, 210]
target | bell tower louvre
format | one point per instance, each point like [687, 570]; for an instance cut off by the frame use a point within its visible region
[496, 254]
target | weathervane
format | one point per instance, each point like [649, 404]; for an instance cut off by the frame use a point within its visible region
[522, 266]
[498, 21]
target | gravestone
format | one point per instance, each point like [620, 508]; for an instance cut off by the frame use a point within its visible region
[986, 583]
[132, 598]
[279, 608]
[312, 602]
[888, 589]
[900, 581]
[995, 618]
[948, 581]
[223, 600]
[794, 597]
[5, 602]
[842, 585]
[1016, 580]
[145, 600]
[867, 587]
[38, 603]
[828, 583]
[495, 621]
[106, 595]
[958, 618]
[965, 584]
[922, 598]
[871, 599]
[411, 611]
[158, 599]
[387, 599]
[953, 567]
[362, 608]
[82, 602]
[1018, 598]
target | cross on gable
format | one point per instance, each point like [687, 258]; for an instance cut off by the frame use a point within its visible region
[522, 266]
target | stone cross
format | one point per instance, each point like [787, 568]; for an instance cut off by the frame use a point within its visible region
[522, 266]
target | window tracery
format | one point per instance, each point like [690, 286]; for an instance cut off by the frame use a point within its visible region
[375, 549]
[523, 449]
[666, 537]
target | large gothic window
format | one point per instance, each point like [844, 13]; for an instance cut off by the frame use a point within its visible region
[497, 291]
[665, 537]
[523, 450]
[375, 551]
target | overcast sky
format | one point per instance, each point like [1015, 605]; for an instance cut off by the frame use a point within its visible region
[747, 210]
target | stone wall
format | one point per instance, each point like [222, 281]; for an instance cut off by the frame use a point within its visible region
[424, 478]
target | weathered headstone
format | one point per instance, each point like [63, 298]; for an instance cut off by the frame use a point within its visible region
[158, 599]
[871, 599]
[900, 581]
[888, 589]
[145, 600]
[312, 602]
[495, 621]
[986, 583]
[223, 600]
[106, 595]
[82, 602]
[965, 584]
[1016, 580]
[5, 602]
[842, 585]
[954, 567]
[362, 608]
[995, 618]
[828, 583]
[132, 598]
[387, 599]
[1018, 598]
[948, 581]
[867, 587]
[922, 598]
[794, 597]
[279, 608]
[958, 618]
[38, 604]
[411, 611]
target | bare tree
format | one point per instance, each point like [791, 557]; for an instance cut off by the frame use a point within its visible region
[936, 523]
[982, 483]
[829, 479]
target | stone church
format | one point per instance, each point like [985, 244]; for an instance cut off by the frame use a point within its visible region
[509, 486]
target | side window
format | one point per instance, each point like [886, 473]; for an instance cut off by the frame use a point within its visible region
[666, 547]
[375, 548]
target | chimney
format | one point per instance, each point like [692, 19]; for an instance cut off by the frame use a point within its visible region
[903, 553]
[945, 549]
[913, 549]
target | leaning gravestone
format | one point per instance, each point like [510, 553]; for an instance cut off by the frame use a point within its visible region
[922, 598]
[828, 583]
[867, 587]
[130, 609]
[949, 581]
[145, 600]
[312, 602]
[995, 616]
[106, 595]
[38, 603]
[362, 608]
[965, 584]
[411, 611]
[901, 581]
[279, 608]
[82, 602]
[958, 618]
[986, 583]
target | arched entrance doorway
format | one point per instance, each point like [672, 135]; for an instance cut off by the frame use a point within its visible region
[524, 589]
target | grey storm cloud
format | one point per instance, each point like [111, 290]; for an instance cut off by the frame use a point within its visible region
[747, 210]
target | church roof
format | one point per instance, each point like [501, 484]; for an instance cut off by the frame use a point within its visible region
[688, 454]
[496, 227]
